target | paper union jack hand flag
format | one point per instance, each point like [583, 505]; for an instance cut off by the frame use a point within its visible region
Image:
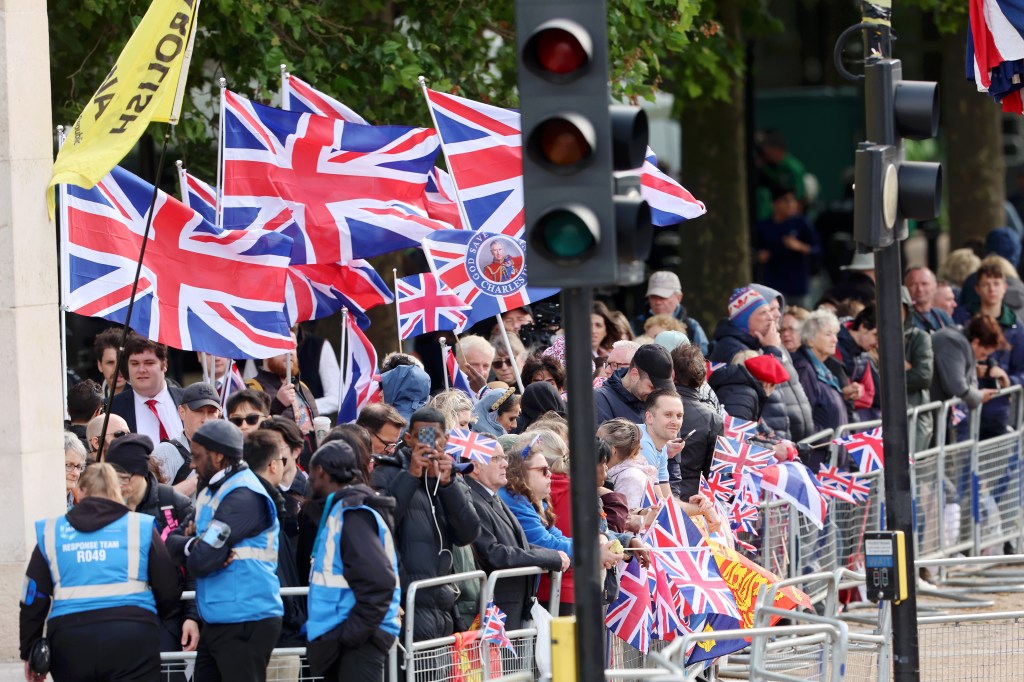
[740, 429]
[959, 413]
[670, 202]
[361, 376]
[720, 485]
[494, 627]
[673, 528]
[426, 304]
[848, 487]
[650, 496]
[484, 148]
[865, 448]
[353, 191]
[667, 603]
[456, 377]
[737, 456]
[487, 271]
[476, 447]
[298, 95]
[743, 516]
[630, 617]
[704, 591]
[792, 482]
[202, 288]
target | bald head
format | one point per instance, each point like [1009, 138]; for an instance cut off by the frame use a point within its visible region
[920, 282]
[116, 426]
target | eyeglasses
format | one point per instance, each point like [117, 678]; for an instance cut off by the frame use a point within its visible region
[250, 419]
[497, 459]
[68, 468]
[615, 365]
[545, 471]
[501, 362]
[388, 447]
[284, 461]
[124, 479]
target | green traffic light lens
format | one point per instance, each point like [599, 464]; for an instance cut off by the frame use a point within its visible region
[566, 235]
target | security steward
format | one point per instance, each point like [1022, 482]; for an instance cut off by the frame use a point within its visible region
[98, 579]
[354, 591]
[231, 551]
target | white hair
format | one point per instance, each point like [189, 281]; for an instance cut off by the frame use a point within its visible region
[474, 342]
[74, 444]
[819, 320]
[631, 346]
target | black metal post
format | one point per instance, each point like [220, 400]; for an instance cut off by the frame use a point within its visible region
[893, 374]
[576, 304]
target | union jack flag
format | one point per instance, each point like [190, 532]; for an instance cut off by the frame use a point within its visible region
[845, 486]
[232, 383]
[476, 447]
[738, 456]
[695, 574]
[463, 259]
[673, 528]
[316, 291]
[720, 486]
[866, 449]
[484, 149]
[667, 606]
[793, 482]
[354, 191]
[298, 95]
[201, 288]
[959, 414]
[426, 305]
[670, 202]
[630, 617]
[995, 46]
[361, 383]
[650, 496]
[456, 377]
[198, 195]
[494, 627]
[713, 367]
[743, 516]
[441, 201]
[740, 429]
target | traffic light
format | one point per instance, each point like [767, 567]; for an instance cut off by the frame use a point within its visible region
[572, 142]
[888, 189]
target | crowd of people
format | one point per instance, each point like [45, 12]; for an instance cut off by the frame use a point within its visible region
[234, 491]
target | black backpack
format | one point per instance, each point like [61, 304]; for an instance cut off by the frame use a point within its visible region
[185, 469]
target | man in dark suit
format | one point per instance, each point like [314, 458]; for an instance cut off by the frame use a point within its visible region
[150, 407]
[502, 543]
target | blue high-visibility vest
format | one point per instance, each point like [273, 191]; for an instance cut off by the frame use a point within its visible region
[330, 598]
[100, 569]
[247, 588]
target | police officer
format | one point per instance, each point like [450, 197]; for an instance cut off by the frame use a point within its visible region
[354, 592]
[232, 553]
[98, 578]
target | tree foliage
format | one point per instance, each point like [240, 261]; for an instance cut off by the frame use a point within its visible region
[368, 54]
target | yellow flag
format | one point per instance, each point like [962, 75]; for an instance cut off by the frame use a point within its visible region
[146, 84]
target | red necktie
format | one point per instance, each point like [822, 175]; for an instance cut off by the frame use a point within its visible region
[151, 403]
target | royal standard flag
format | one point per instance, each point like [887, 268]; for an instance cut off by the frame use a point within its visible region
[146, 84]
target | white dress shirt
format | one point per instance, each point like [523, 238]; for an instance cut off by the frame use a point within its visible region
[145, 420]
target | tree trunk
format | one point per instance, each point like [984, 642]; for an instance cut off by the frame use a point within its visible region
[715, 248]
[974, 167]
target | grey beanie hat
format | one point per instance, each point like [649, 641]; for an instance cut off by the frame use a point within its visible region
[220, 435]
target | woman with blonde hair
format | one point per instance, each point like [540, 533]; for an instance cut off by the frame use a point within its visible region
[456, 407]
[98, 579]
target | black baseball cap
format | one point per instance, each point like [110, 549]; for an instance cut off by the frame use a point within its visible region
[654, 361]
[200, 394]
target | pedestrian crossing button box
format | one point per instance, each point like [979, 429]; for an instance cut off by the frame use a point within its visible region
[885, 565]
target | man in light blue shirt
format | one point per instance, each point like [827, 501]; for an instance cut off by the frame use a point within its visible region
[659, 434]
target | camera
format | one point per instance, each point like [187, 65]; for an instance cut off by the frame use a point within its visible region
[547, 320]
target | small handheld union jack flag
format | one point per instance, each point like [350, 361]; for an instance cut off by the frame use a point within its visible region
[743, 516]
[848, 487]
[737, 456]
[476, 447]
[959, 414]
[650, 496]
[426, 304]
[494, 628]
[865, 448]
[740, 429]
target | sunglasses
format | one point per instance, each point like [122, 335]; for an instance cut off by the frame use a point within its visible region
[545, 471]
[501, 362]
[250, 419]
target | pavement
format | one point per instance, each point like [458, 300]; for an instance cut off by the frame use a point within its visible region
[12, 672]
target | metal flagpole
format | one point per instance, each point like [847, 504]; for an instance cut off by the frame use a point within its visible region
[65, 287]
[286, 100]
[220, 157]
[182, 184]
[511, 355]
[444, 362]
[455, 184]
[398, 316]
[343, 358]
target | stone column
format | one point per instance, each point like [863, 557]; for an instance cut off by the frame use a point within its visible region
[31, 406]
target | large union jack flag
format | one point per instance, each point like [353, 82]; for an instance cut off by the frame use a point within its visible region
[487, 271]
[201, 288]
[737, 456]
[484, 148]
[441, 200]
[298, 95]
[670, 202]
[360, 374]
[630, 617]
[316, 291]
[476, 447]
[866, 449]
[426, 304]
[354, 191]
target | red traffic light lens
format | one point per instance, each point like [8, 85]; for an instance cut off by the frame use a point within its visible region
[558, 51]
[561, 143]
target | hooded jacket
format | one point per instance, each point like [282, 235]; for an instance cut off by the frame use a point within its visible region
[614, 400]
[426, 524]
[406, 388]
[90, 515]
[741, 395]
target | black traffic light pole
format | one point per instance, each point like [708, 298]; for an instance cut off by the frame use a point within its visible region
[892, 370]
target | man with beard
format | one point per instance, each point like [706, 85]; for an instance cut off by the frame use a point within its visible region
[233, 557]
